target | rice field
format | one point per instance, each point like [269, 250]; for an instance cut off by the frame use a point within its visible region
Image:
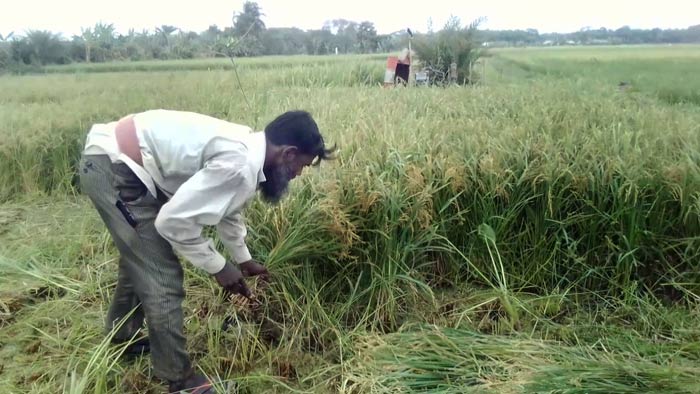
[536, 233]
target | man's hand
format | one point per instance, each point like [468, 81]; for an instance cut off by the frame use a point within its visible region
[252, 268]
[231, 279]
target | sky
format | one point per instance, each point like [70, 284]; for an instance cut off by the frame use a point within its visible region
[69, 16]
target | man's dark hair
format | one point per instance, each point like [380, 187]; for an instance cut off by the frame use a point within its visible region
[298, 128]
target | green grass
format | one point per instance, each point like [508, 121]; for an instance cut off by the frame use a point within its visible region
[536, 233]
[656, 70]
[222, 63]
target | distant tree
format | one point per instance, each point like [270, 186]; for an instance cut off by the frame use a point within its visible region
[40, 47]
[392, 42]
[210, 36]
[129, 46]
[100, 41]
[319, 42]
[284, 41]
[692, 34]
[185, 45]
[165, 31]
[88, 38]
[249, 21]
[248, 29]
[5, 56]
[625, 34]
[337, 26]
[367, 37]
[346, 35]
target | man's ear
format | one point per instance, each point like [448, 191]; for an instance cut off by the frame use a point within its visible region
[290, 152]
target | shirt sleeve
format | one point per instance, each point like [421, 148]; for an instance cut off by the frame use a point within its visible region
[232, 230]
[222, 186]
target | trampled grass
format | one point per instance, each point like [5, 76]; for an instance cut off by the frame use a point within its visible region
[536, 233]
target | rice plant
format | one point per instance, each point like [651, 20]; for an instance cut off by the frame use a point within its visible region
[535, 233]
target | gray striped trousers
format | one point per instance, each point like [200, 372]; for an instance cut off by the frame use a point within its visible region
[150, 280]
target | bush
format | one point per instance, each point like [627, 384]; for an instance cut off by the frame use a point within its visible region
[453, 44]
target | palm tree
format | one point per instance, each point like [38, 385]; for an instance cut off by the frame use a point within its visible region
[7, 37]
[4, 51]
[166, 31]
[89, 38]
[44, 46]
[105, 37]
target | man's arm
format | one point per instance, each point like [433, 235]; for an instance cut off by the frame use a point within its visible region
[232, 230]
[221, 186]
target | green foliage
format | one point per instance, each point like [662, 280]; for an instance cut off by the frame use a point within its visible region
[249, 21]
[366, 37]
[39, 47]
[5, 50]
[248, 30]
[453, 44]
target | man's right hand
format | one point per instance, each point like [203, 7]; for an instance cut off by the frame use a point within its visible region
[231, 279]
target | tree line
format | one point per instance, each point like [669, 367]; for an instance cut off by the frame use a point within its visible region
[248, 36]
[590, 36]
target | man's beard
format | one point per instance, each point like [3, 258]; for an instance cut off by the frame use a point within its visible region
[276, 184]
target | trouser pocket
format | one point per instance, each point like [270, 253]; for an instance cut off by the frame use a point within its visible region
[127, 184]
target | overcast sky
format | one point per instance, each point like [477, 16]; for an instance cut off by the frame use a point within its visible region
[68, 16]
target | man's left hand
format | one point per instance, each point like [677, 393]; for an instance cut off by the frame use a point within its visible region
[252, 268]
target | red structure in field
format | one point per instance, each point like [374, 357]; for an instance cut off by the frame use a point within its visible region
[397, 70]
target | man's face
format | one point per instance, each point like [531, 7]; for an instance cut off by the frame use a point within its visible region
[289, 165]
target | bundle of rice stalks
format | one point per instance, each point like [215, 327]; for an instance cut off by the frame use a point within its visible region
[446, 360]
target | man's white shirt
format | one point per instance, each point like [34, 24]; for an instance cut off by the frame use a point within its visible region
[208, 167]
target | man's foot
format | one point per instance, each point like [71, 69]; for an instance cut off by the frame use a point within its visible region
[137, 348]
[195, 384]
